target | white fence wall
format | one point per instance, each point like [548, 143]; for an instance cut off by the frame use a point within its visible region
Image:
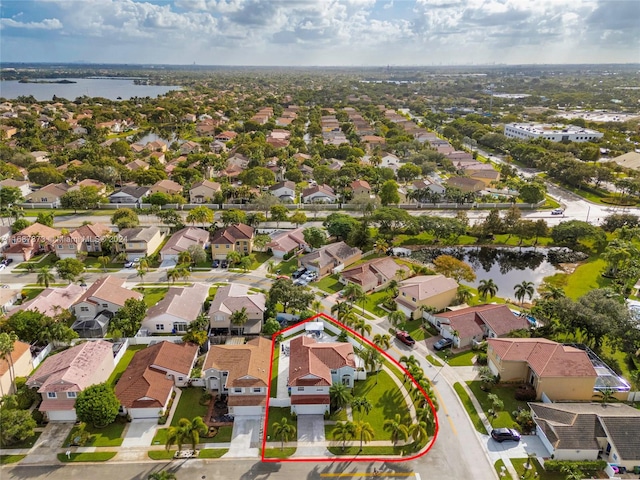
[37, 360]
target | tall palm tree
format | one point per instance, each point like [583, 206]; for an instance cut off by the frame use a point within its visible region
[354, 293]
[392, 287]
[364, 431]
[7, 344]
[316, 306]
[419, 431]
[382, 340]
[360, 404]
[487, 288]
[284, 430]
[340, 395]
[551, 292]
[184, 257]
[104, 261]
[344, 431]
[396, 318]
[463, 294]
[45, 276]
[606, 395]
[340, 309]
[396, 427]
[172, 275]
[141, 273]
[524, 289]
[409, 361]
[361, 326]
[239, 318]
[271, 267]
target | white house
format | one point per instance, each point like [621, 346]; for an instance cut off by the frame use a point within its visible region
[319, 194]
[179, 307]
[182, 240]
[106, 294]
[285, 191]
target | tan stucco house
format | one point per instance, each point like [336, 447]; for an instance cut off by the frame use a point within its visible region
[435, 291]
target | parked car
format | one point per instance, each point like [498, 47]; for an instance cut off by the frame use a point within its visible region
[299, 272]
[283, 277]
[502, 434]
[405, 338]
[443, 343]
[2, 266]
[129, 265]
[8, 261]
[557, 211]
[224, 264]
[216, 263]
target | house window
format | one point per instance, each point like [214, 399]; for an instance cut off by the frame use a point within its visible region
[44, 199]
[180, 379]
[159, 326]
[84, 309]
[257, 390]
[71, 247]
[105, 305]
[60, 247]
[301, 389]
[52, 395]
[217, 245]
[333, 372]
[318, 389]
[180, 327]
[413, 299]
[71, 395]
[237, 390]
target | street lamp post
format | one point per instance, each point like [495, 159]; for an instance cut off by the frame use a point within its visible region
[588, 212]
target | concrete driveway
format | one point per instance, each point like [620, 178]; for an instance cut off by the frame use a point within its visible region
[245, 437]
[140, 433]
[310, 432]
[49, 444]
[507, 449]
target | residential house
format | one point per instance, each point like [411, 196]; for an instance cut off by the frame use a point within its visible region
[21, 364]
[226, 136]
[330, 258]
[629, 160]
[360, 186]
[232, 298]
[190, 147]
[24, 187]
[319, 194]
[434, 291]
[40, 157]
[486, 176]
[589, 431]
[130, 194]
[166, 186]
[30, 241]
[139, 241]
[473, 324]
[374, 274]
[285, 191]
[48, 194]
[287, 242]
[560, 372]
[146, 386]
[61, 377]
[458, 155]
[234, 238]
[8, 298]
[179, 307]
[203, 191]
[5, 235]
[242, 373]
[157, 146]
[137, 164]
[53, 300]
[181, 241]
[313, 368]
[427, 184]
[87, 182]
[84, 239]
[466, 184]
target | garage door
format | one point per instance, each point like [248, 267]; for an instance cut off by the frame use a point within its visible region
[247, 410]
[143, 413]
[62, 415]
[310, 409]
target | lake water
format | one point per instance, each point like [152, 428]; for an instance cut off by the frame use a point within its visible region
[92, 87]
[507, 267]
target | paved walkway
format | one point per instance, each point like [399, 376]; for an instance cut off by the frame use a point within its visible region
[283, 373]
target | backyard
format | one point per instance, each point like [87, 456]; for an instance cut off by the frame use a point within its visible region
[123, 363]
[273, 388]
[586, 277]
[504, 393]
[329, 284]
[152, 295]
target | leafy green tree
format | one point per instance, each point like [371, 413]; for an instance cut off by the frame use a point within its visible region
[340, 225]
[389, 193]
[532, 192]
[162, 475]
[298, 218]
[125, 218]
[283, 430]
[463, 294]
[314, 237]
[45, 276]
[97, 405]
[279, 214]
[19, 225]
[569, 234]
[239, 318]
[44, 218]
[270, 327]
[409, 171]
[290, 296]
[10, 196]
[69, 268]
[344, 432]
[128, 319]
[197, 254]
[16, 426]
[201, 214]
[453, 268]
[7, 345]
[233, 217]
[45, 174]
[234, 257]
[264, 203]
[84, 198]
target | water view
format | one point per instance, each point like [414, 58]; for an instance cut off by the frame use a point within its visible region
[113, 89]
[505, 266]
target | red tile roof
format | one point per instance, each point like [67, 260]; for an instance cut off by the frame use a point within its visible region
[469, 321]
[232, 233]
[309, 358]
[310, 399]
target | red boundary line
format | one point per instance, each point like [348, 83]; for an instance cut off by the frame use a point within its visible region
[342, 458]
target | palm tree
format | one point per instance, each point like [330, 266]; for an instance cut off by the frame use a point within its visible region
[364, 431]
[354, 293]
[392, 287]
[104, 261]
[271, 267]
[425, 414]
[606, 395]
[239, 318]
[144, 263]
[340, 395]
[344, 431]
[487, 288]
[284, 430]
[524, 289]
[184, 258]
[463, 294]
[487, 378]
[163, 475]
[396, 427]
[172, 275]
[316, 306]
[7, 344]
[397, 317]
[45, 277]
[409, 361]
[551, 292]
[381, 246]
[340, 309]
[141, 273]
[361, 326]
[382, 340]
[419, 431]
[571, 473]
[358, 404]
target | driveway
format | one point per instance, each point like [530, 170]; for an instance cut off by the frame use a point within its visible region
[246, 432]
[310, 432]
[507, 449]
[140, 433]
[49, 444]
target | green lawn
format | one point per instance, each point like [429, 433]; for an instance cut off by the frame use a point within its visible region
[29, 293]
[152, 295]
[288, 267]
[386, 399]
[462, 359]
[468, 406]
[160, 437]
[276, 414]
[123, 363]
[506, 394]
[623, 360]
[223, 436]
[285, 452]
[367, 451]
[414, 327]
[585, 278]
[189, 405]
[87, 457]
[513, 240]
[161, 454]
[212, 452]
[27, 443]
[433, 361]
[273, 389]
[536, 471]
[498, 466]
[371, 303]
[261, 257]
[329, 284]
[7, 459]
[39, 261]
[109, 436]
[93, 263]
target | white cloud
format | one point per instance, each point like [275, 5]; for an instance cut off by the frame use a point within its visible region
[46, 24]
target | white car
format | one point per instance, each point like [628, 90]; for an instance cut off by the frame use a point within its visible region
[2, 266]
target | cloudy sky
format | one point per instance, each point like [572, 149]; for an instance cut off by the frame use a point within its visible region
[320, 32]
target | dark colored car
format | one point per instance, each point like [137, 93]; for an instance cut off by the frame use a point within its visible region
[216, 263]
[224, 264]
[299, 272]
[405, 338]
[443, 343]
[502, 434]
[8, 261]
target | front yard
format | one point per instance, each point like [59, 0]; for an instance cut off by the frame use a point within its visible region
[189, 405]
[505, 393]
[260, 258]
[109, 436]
[276, 414]
[461, 359]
